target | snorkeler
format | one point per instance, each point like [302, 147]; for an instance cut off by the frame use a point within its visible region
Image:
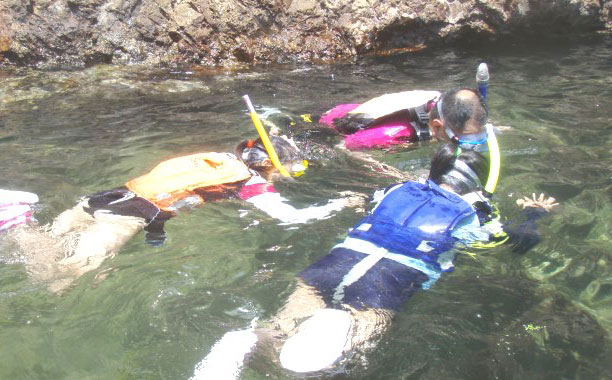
[410, 116]
[81, 238]
[347, 299]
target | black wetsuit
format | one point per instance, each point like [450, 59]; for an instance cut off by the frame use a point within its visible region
[121, 201]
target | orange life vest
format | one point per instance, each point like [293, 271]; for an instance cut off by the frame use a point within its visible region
[175, 179]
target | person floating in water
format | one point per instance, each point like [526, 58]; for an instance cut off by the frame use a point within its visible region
[346, 300]
[81, 238]
[410, 116]
[405, 244]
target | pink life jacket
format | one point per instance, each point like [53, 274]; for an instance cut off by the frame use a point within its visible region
[385, 131]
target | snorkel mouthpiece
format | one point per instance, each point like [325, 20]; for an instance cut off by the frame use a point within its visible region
[299, 169]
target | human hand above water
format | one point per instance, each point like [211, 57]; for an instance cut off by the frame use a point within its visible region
[547, 203]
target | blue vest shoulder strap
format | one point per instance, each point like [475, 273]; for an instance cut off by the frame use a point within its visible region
[414, 219]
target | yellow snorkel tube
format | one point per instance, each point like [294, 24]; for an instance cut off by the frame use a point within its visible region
[482, 78]
[264, 137]
[495, 160]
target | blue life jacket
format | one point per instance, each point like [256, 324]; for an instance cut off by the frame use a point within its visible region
[415, 220]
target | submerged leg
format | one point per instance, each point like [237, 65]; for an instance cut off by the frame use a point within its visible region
[229, 354]
[71, 220]
[301, 304]
[102, 239]
[43, 248]
[39, 251]
[368, 327]
[75, 243]
[331, 336]
[310, 337]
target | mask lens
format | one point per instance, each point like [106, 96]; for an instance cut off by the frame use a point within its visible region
[475, 142]
[475, 138]
[252, 155]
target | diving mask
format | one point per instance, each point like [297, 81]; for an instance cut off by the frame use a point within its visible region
[254, 154]
[474, 141]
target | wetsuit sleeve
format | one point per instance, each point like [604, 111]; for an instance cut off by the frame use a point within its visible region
[523, 233]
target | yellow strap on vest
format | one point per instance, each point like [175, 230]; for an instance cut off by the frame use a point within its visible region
[176, 178]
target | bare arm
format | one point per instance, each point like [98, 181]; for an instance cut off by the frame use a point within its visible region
[377, 166]
[276, 206]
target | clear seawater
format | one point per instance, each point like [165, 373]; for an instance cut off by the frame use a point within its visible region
[546, 314]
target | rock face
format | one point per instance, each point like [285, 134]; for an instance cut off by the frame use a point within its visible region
[226, 32]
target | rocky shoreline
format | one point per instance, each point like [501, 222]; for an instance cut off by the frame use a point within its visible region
[76, 33]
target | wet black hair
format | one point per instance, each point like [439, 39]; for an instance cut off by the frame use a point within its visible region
[444, 161]
[253, 152]
[458, 110]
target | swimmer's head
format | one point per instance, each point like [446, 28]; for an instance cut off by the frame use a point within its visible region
[463, 171]
[458, 113]
[254, 154]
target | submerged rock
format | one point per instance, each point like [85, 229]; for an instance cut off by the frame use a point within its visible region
[230, 32]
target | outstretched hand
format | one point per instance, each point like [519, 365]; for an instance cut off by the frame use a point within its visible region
[547, 203]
